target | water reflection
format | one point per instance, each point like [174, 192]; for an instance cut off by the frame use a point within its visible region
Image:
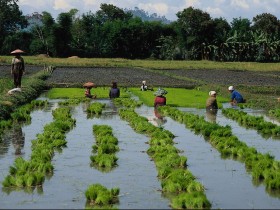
[160, 119]
[211, 115]
[17, 137]
[4, 144]
[14, 136]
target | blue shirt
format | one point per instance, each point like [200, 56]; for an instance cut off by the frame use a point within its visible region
[237, 96]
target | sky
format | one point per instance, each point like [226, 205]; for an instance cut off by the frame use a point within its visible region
[227, 9]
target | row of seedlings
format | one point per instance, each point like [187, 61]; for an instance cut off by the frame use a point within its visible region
[99, 196]
[177, 182]
[267, 129]
[73, 101]
[31, 173]
[263, 167]
[21, 115]
[95, 109]
[275, 113]
[105, 149]
[104, 159]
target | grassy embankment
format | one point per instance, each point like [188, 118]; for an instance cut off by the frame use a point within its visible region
[149, 64]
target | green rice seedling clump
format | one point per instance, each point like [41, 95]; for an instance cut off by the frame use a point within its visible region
[96, 194]
[196, 200]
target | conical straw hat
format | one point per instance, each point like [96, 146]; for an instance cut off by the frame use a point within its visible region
[89, 84]
[17, 51]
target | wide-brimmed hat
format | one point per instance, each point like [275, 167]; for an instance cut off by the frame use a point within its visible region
[160, 92]
[230, 88]
[17, 51]
[89, 85]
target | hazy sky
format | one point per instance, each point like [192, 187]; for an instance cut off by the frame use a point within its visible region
[227, 9]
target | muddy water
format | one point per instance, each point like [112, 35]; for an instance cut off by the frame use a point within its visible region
[227, 183]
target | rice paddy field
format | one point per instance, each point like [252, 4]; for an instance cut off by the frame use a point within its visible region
[183, 158]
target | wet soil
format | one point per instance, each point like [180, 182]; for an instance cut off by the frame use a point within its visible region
[226, 77]
[75, 76]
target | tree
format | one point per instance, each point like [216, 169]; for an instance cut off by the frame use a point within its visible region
[196, 30]
[11, 20]
[109, 12]
[266, 23]
[63, 33]
[44, 38]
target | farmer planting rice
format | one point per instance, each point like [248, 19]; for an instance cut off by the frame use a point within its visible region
[235, 96]
[211, 103]
[160, 99]
[114, 91]
[88, 87]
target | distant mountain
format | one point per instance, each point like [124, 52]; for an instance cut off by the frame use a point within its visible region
[145, 16]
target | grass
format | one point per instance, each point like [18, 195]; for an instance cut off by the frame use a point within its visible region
[71, 93]
[178, 97]
[150, 64]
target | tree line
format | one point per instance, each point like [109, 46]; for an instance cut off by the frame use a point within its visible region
[112, 32]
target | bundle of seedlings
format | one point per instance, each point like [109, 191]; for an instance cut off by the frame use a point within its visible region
[21, 115]
[31, 173]
[177, 181]
[263, 167]
[127, 102]
[267, 129]
[99, 196]
[95, 109]
[105, 148]
[275, 113]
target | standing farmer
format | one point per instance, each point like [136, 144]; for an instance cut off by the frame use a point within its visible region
[17, 67]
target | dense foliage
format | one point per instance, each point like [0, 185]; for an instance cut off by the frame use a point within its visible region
[114, 32]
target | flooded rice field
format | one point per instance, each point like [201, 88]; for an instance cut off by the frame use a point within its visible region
[228, 184]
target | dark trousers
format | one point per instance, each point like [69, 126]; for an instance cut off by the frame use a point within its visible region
[17, 80]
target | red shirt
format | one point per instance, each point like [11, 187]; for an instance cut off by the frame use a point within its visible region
[160, 101]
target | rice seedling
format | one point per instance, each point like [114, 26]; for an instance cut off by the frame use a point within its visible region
[196, 200]
[95, 108]
[177, 181]
[96, 194]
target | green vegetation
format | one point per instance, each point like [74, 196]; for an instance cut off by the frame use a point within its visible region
[147, 64]
[195, 35]
[175, 178]
[33, 86]
[31, 173]
[95, 109]
[106, 147]
[178, 97]
[267, 129]
[99, 196]
[127, 102]
[263, 167]
[71, 93]
[275, 113]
